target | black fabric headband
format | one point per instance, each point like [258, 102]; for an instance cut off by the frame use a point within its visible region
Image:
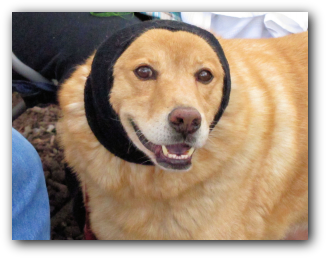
[101, 117]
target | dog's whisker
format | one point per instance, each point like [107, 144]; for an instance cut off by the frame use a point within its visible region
[130, 144]
[118, 120]
[145, 161]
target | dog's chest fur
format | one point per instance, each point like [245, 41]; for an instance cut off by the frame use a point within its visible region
[197, 213]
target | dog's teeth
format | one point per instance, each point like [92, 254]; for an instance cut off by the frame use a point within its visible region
[191, 151]
[174, 156]
[165, 150]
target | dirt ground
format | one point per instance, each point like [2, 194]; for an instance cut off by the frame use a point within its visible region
[38, 126]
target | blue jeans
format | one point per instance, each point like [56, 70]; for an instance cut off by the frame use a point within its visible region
[30, 200]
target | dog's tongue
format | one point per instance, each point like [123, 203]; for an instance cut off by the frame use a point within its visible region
[178, 149]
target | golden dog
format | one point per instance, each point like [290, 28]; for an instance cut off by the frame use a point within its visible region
[246, 179]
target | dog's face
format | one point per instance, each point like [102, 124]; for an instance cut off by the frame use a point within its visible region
[167, 89]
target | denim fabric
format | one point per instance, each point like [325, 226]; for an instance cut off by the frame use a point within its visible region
[30, 201]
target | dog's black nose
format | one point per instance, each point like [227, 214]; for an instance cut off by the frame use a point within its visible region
[185, 120]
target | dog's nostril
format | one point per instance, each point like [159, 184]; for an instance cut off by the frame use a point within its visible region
[196, 122]
[185, 120]
[177, 121]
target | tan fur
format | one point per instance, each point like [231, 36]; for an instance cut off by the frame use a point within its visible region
[248, 181]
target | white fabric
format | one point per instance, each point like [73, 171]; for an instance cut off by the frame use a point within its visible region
[249, 24]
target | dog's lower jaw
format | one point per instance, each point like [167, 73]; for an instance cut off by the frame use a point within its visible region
[174, 168]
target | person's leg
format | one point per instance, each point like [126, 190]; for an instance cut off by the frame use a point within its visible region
[30, 201]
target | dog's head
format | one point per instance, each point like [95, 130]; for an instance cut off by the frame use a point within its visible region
[167, 92]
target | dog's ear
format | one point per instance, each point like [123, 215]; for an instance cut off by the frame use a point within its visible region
[101, 117]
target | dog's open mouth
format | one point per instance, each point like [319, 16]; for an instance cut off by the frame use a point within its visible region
[175, 156]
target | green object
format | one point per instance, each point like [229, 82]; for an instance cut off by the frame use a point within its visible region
[109, 14]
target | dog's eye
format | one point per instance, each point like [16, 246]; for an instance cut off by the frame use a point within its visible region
[204, 76]
[145, 73]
